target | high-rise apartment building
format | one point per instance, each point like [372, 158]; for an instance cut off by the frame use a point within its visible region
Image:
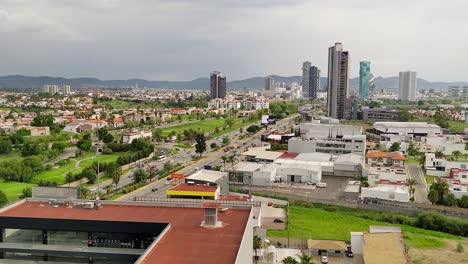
[338, 81]
[407, 86]
[52, 89]
[364, 79]
[66, 89]
[269, 82]
[310, 80]
[458, 92]
[217, 85]
[306, 78]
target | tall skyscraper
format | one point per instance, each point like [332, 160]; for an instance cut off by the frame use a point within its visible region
[407, 86]
[310, 80]
[338, 81]
[217, 85]
[269, 83]
[306, 78]
[66, 89]
[364, 79]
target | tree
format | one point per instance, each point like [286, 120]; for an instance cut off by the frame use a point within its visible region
[463, 202]
[433, 196]
[289, 260]
[253, 129]
[3, 198]
[229, 121]
[139, 176]
[157, 135]
[257, 244]
[457, 154]
[69, 178]
[411, 189]
[213, 145]
[305, 259]
[450, 200]
[438, 189]
[241, 130]
[114, 172]
[394, 147]
[43, 120]
[5, 146]
[107, 138]
[200, 145]
[439, 154]
[89, 173]
[226, 140]
[23, 132]
[405, 116]
[27, 192]
[233, 161]
[224, 158]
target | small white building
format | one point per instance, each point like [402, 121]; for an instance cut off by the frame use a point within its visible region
[407, 128]
[397, 193]
[440, 167]
[341, 145]
[458, 190]
[129, 137]
[381, 175]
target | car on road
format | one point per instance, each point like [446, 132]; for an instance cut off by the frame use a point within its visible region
[154, 189]
[321, 185]
[324, 259]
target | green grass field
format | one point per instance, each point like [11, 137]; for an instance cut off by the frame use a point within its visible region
[184, 146]
[104, 158]
[55, 174]
[207, 126]
[202, 126]
[454, 126]
[430, 179]
[13, 189]
[320, 224]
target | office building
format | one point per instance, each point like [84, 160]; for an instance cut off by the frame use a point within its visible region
[364, 79]
[148, 230]
[380, 114]
[371, 86]
[407, 86]
[217, 85]
[458, 92]
[341, 144]
[415, 129]
[310, 80]
[269, 83]
[338, 81]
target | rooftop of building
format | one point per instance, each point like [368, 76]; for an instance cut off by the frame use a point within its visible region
[183, 187]
[405, 125]
[383, 248]
[263, 154]
[207, 175]
[199, 244]
[382, 154]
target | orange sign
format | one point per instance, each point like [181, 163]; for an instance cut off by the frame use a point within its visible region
[177, 176]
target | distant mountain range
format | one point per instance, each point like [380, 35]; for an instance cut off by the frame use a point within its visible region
[21, 81]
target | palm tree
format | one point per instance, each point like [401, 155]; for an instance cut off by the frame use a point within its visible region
[457, 154]
[233, 162]
[411, 189]
[439, 154]
[305, 259]
[289, 260]
[224, 158]
[257, 244]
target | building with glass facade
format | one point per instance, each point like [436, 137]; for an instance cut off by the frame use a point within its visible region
[364, 79]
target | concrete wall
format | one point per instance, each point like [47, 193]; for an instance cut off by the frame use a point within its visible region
[357, 241]
[245, 253]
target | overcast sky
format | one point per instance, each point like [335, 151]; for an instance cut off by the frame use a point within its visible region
[187, 39]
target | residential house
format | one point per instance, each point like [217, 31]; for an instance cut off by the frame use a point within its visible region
[380, 158]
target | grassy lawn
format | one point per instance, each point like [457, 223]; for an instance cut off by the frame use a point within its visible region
[320, 224]
[412, 159]
[184, 146]
[116, 104]
[12, 156]
[104, 158]
[55, 174]
[430, 179]
[236, 126]
[13, 189]
[202, 126]
[454, 126]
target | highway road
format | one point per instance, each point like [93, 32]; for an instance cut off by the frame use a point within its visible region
[415, 172]
[158, 188]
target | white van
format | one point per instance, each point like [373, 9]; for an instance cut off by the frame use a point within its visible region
[321, 185]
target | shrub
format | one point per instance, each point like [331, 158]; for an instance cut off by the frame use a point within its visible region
[460, 247]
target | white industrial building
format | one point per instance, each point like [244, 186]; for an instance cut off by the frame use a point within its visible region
[407, 128]
[397, 193]
[355, 144]
[322, 130]
[129, 137]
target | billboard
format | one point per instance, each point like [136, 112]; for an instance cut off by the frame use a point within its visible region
[177, 176]
[268, 120]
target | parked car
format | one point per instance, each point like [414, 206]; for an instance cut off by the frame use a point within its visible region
[310, 183]
[270, 203]
[322, 185]
[349, 254]
[324, 259]
[277, 220]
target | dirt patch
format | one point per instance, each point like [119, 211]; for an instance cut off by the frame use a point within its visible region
[444, 255]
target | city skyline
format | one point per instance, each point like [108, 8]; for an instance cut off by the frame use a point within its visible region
[158, 45]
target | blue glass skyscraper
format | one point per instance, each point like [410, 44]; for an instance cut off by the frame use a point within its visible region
[364, 79]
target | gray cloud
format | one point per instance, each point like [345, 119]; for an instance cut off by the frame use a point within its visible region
[186, 39]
